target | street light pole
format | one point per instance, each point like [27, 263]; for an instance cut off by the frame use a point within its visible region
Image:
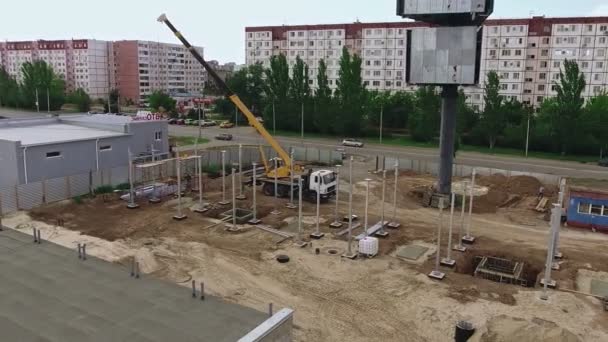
[528, 136]
[381, 121]
[302, 118]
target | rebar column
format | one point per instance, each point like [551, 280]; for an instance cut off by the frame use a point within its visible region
[367, 180]
[290, 205]
[337, 223]
[349, 254]
[132, 204]
[460, 247]
[234, 198]
[254, 219]
[469, 238]
[179, 215]
[223, 201]
[394, 224]
[436, 273]
[276, 188]
[449, 100]
[381, 232]
[199, 162]
[300, 184]
[241, 196]
[317, 234]
[448, 261]
[555, 222]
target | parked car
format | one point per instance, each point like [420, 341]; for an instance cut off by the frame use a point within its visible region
[226, 124]
[181, 122]
[603, 162]
[188, 122]
[223, 136]
[208, 123]
[173, 121]
[352, 143]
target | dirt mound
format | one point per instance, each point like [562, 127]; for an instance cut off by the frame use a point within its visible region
[505, 329]
[503, 190]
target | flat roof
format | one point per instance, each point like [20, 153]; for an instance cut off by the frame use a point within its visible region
[53, 133]
[48, 294]
[110, 119]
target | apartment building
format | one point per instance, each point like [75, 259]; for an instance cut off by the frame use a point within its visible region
[141, 67]
[528, 54]
[135, 68]
[82, 63]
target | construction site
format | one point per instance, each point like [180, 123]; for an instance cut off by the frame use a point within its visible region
[382, 296]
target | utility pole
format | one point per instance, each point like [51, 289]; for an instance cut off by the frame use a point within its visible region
[37, 103]
[302, 118]
[381, 121]
[528, 135]
[48, 101]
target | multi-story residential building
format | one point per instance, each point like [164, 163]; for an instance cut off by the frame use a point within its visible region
[528, 54]
[135, 68]
[140, 67]
[82, 63]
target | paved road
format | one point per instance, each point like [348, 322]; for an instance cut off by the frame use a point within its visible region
[247, 135]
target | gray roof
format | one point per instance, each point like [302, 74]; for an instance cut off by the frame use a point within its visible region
[109, 119]
[53, 133]
[48, 294]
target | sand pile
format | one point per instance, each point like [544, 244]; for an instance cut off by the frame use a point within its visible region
[506, 329]
[503, 189]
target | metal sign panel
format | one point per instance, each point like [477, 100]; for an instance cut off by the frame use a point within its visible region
[446, 12]
[443, 55]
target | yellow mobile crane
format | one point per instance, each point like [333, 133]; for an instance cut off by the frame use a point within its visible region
[323, 181]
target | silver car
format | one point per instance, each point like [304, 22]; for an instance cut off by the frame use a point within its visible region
[352, 143]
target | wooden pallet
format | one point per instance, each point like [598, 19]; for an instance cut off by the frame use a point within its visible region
[542, 204]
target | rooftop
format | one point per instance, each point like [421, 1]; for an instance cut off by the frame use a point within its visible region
[48, 294]
[53, 133]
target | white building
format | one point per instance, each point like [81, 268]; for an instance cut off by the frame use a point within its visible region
[527, 53]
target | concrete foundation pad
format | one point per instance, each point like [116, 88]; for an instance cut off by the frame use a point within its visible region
[242, 215]
[154, 200]
[381, 234]
[351, 256]
[201, 210]
[555, 266]
[438, 275]
[448, 262]
[552, 283]
[301, 244]
[275, 212]
[180, 217]
[469, 240]
[394, 225]
[558, 256]
[241, 197]
[132, 206]
[599, 288]
[412, 252]
[291, 206]
[335, 225]
[223, 202]
[317, 236]
[461, 249]
[254, 221]
[354, 218]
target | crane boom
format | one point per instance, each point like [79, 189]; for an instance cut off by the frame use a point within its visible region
[233, 97]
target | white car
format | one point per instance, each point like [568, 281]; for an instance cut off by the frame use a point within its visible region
[352, 143]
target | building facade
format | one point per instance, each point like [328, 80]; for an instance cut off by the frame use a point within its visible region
[141, 67]
[32, 150]
[528, 54]
[588, 208]
[135, 68]
[81, 63]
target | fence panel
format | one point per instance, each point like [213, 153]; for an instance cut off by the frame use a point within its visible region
[79, 185]
[29, 195]
[8, 200]
[55, 190]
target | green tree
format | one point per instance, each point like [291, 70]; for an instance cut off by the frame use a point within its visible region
[39, 77]
[277, 89]
[324, 105]
[299, 94]
[10, 92]
[566, 117]
[425, 120]
[351, 96]
[161, 101]
[466, 118]
[81, 99]
[492, 120]
[595, 117]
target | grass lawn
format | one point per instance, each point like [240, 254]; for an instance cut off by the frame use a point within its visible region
[188, 141]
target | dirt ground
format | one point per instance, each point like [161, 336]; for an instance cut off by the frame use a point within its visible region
[336, 299]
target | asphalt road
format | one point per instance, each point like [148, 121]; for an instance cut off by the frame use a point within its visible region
[247, 135]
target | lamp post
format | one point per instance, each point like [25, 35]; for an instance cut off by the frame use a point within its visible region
[337, 223]
[349, 253]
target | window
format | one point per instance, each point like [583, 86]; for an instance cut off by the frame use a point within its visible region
[544, 52]
[377, 73]
[585, 65]
[556, 64]
[158, 135]
[105, 148]
[514, 86]
[596, 77]
[596, 209]
[545, 40]
[602, 40]
[541, 87]
[516, 75]
[54, 154]
[503, 86]
[517, 52]
[599, 65]
[543, 64]
[601, 52]
[506, 53]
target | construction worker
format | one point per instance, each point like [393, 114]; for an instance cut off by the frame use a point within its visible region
[541, 192]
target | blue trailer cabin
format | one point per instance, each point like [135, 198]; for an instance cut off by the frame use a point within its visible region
[588, 208]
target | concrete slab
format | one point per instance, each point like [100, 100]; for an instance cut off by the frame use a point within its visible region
[599, 288]
[51, 295]
[411, 252]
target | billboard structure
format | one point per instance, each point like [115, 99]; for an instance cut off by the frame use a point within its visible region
[447, 54]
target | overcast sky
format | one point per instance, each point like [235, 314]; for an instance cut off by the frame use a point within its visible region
[219, 25]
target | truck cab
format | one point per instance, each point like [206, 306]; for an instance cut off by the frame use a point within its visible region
[324, 181]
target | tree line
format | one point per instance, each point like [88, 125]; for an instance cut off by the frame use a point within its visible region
[39, 82]
[564, 124]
